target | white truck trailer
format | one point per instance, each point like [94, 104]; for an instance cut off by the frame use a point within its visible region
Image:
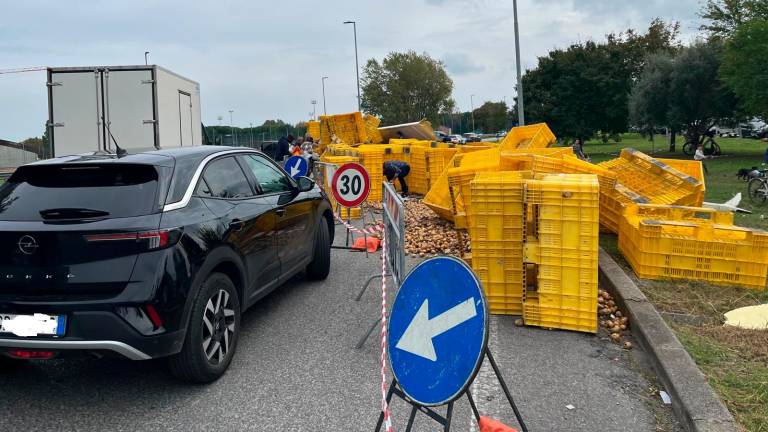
[138, 107]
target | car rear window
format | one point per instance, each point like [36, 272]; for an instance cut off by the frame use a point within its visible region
[37, 193]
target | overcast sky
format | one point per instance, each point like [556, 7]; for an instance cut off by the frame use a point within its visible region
[265, 59]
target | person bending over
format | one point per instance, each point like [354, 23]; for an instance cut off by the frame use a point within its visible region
[399, 169]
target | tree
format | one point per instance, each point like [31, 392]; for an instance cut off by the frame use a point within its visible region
[725, 16]
[682, 91]
[406, 87]
[744, 66]
[585, 88]
[492, 117]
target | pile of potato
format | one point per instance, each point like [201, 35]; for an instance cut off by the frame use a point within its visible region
[612, 318]
[427, 235]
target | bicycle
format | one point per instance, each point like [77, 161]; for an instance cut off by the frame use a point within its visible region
[757, 188]
[711, 148]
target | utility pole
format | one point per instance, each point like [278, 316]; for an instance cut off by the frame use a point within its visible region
[472, 104]
[520, 104]
[231, 126]
[325, 110]
[357, 65]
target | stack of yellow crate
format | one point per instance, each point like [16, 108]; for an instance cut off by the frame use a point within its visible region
[672, 242]
[563, 246]
[313, 129]
[343, 128]
[496, 233]
[372, 158]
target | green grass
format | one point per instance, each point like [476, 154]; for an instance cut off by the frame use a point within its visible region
[721, 182]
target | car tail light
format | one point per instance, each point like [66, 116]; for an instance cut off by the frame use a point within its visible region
[31, 354]
[154, 316]
[156, 239]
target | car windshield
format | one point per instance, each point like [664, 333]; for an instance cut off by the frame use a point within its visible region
[36, 193]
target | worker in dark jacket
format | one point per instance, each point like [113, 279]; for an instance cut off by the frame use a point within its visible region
[399, 169]
[283, 148]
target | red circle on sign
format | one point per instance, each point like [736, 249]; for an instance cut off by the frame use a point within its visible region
[350, 184]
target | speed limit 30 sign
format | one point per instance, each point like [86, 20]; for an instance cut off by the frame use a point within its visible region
[350, 185]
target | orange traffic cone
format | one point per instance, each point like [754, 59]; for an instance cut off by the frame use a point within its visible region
[491, 425]
[372, 245]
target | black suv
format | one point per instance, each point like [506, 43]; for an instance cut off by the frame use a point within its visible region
[152, 254]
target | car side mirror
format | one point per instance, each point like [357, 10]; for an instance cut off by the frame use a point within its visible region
[305, 184]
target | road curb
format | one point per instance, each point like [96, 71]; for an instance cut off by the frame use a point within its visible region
[694, 402]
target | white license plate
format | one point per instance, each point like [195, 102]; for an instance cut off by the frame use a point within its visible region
[33, 325]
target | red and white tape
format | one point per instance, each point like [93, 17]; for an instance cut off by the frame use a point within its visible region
[378, 229]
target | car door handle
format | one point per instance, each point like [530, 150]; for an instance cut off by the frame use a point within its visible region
[236, 224]
[280, 211]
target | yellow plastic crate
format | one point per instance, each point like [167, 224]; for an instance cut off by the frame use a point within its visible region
[613, 202]
[548, 151]
[372, 132]
[657, 181]
[418, 179]
[694, 169]
[438, 198]
[437, 161]
[703, 250]
[497, 206]
[353, 213]
[529, 137]
[562, 315]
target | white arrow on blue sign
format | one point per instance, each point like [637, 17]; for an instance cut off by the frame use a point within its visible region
[296, 166]
[438, 330]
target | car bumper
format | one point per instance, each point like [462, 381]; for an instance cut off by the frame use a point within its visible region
[101, 332]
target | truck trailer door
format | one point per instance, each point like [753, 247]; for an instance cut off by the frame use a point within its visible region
[185, 119]
[75, 101]
[129, 107]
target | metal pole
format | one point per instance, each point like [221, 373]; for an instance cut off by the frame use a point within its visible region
[250, 132]
[325, 110]
[520, 102]
[231, 127]
[472, 104]
[145, 57]
[357, 65]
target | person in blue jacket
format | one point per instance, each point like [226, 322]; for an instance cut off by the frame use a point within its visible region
[399, 169]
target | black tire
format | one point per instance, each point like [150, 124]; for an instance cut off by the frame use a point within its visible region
[216, 323]
[716, 151]
[689, 148]
[320, 266]
[757, 191]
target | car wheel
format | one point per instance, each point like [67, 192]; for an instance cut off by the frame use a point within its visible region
[320, 266]
[212, 333]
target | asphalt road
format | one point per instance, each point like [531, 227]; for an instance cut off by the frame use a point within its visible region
[296, 370]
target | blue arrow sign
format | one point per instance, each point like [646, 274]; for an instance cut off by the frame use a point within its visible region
[296, 166]
[438, 330]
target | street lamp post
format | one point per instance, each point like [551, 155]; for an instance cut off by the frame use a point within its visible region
[231, 127]
[314, 111]
[520, 104]
[472, 104]
[325, 110]
[145, 57]
[357, 65]
[250, 132]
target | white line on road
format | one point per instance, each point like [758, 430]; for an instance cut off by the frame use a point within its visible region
[485, 388]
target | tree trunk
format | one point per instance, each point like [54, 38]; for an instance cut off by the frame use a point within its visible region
[672, 137]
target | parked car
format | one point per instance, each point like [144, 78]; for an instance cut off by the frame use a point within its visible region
[471, 137]
[457, 139]
[152, 254]
[441, 136]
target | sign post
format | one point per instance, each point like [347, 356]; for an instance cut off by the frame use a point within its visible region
[394, 226]
[438, 331]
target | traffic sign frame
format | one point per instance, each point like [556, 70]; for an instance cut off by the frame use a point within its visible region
[483, 346]
[366, 184]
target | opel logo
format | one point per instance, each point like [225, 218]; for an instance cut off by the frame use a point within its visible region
[27, 245]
